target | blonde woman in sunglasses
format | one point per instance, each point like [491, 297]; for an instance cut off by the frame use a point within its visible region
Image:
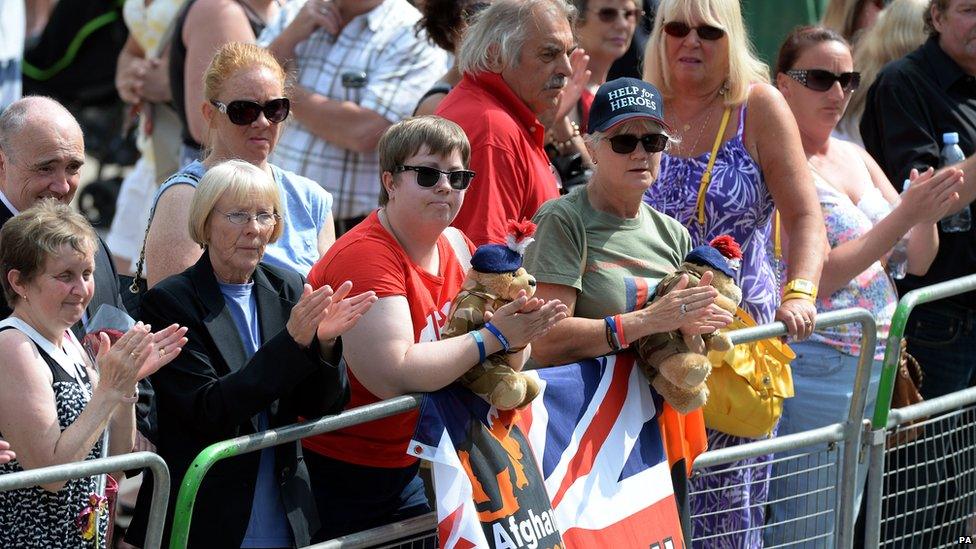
[245, 106]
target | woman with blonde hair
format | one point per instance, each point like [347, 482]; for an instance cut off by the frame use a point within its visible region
[738, 159]
[899, 30]
[245, 106]
[850, 18]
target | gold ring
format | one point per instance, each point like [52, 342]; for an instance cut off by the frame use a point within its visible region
[133, 354]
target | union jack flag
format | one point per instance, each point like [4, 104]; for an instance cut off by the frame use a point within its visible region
[593, 471]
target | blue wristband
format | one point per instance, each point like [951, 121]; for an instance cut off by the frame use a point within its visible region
[481, 345]
[498, 334]
[613, 339]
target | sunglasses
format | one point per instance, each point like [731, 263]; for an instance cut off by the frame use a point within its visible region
[243, 113]
[679, 29]
[821, 80]
[428, 177]
[625, 143]
[609, 15]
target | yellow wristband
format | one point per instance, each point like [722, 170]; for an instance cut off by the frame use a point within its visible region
[799, 295]
[801, 286]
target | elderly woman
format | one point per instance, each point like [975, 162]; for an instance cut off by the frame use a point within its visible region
[54, 407]
[865, 219]
[605, 249]
[244, 108]
[738, 129]
[415, 267]
[261, 352]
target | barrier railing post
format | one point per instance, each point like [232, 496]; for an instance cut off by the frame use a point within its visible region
[82, 469]
[190, 485]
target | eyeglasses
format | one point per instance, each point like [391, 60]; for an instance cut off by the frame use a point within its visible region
[428, 177]
[821, 80]
[243, 113]
[625, 143]
[679, 29]
[609, 15]
[264, 219]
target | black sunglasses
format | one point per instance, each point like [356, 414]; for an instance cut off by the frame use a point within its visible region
[609, 15]
[243, 113]
[821, 80]
[428, 177]
[679, 29]
[625, 143]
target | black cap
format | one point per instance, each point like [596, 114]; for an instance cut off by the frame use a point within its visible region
[625, 99]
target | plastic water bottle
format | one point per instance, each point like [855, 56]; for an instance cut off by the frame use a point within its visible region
[898, 258]
[951, 154]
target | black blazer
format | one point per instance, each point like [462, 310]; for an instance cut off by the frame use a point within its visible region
[210, 393]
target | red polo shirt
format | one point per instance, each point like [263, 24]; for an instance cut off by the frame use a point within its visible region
[514, 176]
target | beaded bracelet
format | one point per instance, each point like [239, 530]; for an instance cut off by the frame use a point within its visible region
[568, 142]
[480, 341]
[498, 335]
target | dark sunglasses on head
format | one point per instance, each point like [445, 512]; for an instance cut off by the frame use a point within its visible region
[625, 143]
[821, 80]
[679, 29]
[609, 15]
[428, 177]
[243, 113]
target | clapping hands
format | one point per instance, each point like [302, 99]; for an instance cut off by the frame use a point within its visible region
[327, 314]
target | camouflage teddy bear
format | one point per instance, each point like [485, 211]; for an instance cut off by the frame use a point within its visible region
[677, 364]
[495, 278]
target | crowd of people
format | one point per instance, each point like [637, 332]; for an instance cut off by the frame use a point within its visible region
[315, 175]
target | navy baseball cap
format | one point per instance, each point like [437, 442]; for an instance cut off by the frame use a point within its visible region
[625, 99]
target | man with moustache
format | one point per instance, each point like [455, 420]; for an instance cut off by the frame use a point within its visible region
[515, 60]
[360, 66]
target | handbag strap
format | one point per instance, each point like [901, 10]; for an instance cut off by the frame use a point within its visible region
[134, 287]
[707, 174]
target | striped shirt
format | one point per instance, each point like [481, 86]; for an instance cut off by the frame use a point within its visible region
[399, 67]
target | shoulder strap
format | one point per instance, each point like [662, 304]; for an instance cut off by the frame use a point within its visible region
[456, 239]
[134, 287]
[707, 174]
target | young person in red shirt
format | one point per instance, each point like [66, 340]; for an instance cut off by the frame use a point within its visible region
[406, 253]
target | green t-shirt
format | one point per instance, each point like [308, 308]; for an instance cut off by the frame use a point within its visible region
[625, 258]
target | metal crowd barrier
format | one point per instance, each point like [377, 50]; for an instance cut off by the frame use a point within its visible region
[821, 478]
[922, 465]
[82, 469]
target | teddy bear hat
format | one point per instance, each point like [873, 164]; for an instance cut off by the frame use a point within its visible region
[722, 254]
[505, 258]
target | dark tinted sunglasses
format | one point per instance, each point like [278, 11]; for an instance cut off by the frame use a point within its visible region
[428, 177]
[680, 29]
[625, 143]
[609, 15]
[821, 80]
[243, 113]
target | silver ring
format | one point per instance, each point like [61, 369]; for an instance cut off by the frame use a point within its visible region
[808, 322]
[684, 308]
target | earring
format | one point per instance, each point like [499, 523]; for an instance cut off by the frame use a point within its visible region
[724, 89]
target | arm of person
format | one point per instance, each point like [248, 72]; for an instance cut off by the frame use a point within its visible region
[29, 417]
[191, 392]
[345, 124]
[574, 338]
[209, 25]
[327, 235]
[169, 248]
[130, 69]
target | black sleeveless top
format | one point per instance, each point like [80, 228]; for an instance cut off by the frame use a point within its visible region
[177, 63]
[33, 517]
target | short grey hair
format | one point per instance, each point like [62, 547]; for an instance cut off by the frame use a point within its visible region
[505, 25]
[16, 116]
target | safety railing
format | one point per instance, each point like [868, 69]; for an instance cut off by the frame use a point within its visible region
[820, 483]
[82, 469]
[412, 533]
[219, 451]
[911, 490]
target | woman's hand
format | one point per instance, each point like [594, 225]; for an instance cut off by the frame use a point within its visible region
[932, 195]
[129, 75]
[168, 343]
[119, 365]
[799, 315]
[523, 319]
[6, 454]
[343, 312]
[683, 308]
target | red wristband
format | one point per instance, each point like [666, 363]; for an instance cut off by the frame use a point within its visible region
[619, 324]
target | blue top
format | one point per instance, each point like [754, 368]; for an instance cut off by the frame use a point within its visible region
[268, 525]
[306, 206]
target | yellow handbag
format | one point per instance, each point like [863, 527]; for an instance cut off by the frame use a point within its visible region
[748, 385]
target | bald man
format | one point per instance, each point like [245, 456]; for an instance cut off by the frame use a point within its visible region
[42, 150]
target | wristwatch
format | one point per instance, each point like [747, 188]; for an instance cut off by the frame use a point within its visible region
[801, 286]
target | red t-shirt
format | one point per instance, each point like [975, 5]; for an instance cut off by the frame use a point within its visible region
[372, 259]
[513, 175]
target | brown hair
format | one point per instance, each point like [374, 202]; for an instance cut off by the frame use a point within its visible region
[38, 233]
[405, 138]
[445, 20]
[938, 5]
[802, 38]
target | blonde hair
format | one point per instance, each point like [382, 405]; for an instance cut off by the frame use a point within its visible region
[405, 139]
[243, 181]
[38, 233]
[745, 67]
[841, 15]
[899, 30]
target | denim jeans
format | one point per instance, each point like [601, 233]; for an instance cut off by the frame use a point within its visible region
[823, 382]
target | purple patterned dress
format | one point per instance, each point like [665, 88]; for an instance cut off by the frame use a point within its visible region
[727, 508]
